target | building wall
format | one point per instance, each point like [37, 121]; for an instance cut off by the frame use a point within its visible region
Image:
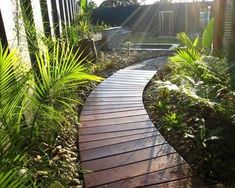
[14, 30]
[145, 18]
[49, 17]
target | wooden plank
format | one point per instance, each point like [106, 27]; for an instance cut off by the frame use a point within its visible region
[105, 136]
[136, 169]
[120, 86]
[191, 182]
[127, 79]
[124, 83]
[121, 148]
[113, 106]
[115, 121]
[114, 94]
[119, 143]
[130, 76]
[137, 74]
[148, 72]
[102, 136]
[117, 90]
[115, 128]
[112, 115]
[105, 111]
[107, 84]
[111, 141]
[142, 76]
[128, 158]
[113, 99]
[88, 103]
[170, 173]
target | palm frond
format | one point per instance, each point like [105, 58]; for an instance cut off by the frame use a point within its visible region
[59, 70]
[185, 40]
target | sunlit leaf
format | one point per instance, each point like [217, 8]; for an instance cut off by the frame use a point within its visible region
[208, 33]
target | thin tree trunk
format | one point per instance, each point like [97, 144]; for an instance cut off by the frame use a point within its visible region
[219, 11]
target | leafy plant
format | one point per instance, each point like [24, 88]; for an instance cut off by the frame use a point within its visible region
[173, 121]
[198, 95]
[84, 5]
[193, 50]
[128, 45]
[208, 34]
[32, 104]
[85, 28]
[73, 34]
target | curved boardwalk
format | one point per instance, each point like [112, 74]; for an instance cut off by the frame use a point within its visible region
[119, 143]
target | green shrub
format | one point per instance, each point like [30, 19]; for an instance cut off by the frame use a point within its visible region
[33, 103]
[197, 100]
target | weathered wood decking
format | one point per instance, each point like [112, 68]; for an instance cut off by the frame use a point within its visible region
[119, 143]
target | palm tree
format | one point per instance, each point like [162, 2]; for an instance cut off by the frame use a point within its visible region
[32, 104]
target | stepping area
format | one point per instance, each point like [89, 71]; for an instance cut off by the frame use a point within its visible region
[120, 145]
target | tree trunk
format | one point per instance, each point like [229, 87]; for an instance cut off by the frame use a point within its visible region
[219, 11]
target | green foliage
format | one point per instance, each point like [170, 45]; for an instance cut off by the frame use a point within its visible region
[85, 28]
[33, 104]
[91, 6]
[193, 50]
[26, 14]
[186, 41]
[81, 29]
[83, 4]
[59, 70]
[197, 99]
[73, 36]
[173, 121]
[208, 33]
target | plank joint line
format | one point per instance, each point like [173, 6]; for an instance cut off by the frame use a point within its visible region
[120, 144]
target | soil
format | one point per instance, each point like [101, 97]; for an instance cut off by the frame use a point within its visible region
[194, 153]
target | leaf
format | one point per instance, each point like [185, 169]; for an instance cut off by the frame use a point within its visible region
[208, 33]
[60, 71]
[185, 40]
[196, 41]
[83, 4]
[187, 135]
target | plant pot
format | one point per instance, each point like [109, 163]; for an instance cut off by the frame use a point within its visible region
[86, 48]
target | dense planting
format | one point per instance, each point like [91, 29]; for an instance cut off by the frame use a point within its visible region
[192, 103]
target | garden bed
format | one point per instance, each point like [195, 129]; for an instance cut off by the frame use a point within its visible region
[202, 134]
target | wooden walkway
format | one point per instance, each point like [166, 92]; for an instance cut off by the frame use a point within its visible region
[119, 143]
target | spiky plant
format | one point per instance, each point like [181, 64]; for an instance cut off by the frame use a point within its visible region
[32, 103]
